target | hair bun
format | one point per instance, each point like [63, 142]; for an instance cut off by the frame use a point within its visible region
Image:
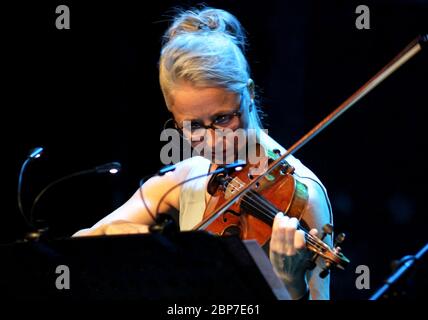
[207, 20]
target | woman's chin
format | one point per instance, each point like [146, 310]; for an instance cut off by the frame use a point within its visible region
[220, 158]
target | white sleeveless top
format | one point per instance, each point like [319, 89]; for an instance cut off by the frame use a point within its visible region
[193, 193]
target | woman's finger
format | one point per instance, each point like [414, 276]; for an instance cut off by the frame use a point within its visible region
[299, 239]
[142, 228]
[126, 228]
[314, 232]
[290, 231]
[278, 232]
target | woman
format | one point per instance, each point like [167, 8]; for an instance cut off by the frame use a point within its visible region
[206, 84]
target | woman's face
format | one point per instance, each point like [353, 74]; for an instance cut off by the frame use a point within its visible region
[193, 108]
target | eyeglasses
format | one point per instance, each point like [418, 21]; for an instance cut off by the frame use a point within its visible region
[224, 121]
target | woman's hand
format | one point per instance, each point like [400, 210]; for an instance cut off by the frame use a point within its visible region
[288, 255]
[114, 228]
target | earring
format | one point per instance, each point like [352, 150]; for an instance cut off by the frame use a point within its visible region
[175, 126]
[167, 122]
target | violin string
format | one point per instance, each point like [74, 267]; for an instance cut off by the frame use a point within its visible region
[267, 209]
[308, 236]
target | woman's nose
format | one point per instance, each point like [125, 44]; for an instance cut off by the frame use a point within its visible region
[210, 137]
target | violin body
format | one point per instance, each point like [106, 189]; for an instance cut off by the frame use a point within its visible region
[249, 203]
[251, 217]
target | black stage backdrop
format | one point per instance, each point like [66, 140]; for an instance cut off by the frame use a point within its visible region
[90, 95]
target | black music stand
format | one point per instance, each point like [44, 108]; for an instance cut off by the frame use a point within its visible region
[185, 266]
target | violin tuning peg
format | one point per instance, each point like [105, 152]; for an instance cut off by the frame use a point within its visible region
[339, 239]
[310, 264]
[327, 228]
[277, 152]
[324, 273]
[326, 270]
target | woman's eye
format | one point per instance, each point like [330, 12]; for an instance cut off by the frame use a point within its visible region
[195, 125]
[222, 119]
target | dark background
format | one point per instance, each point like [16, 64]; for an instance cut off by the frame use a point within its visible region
[90, 95]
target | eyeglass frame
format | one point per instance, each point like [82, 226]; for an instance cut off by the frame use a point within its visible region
[212, 125]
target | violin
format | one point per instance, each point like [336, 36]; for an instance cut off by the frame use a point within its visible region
[252, 215]
[245, 205]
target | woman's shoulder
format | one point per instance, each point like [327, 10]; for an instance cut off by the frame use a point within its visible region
[301, 170]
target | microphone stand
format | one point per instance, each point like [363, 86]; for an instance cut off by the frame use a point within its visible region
[111, 167]
[33, 154]
[407, 264]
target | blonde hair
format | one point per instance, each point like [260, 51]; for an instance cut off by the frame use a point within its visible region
[206, 48]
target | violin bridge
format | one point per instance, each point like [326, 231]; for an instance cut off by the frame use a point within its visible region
[233, 186]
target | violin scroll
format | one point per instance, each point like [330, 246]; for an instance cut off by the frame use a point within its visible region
[333, 257]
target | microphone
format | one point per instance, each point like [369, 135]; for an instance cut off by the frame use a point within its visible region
[166, 169]
[163, 222]
[34, 153]
[111, 168]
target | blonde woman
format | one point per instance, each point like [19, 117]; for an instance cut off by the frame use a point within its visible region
[206, 82]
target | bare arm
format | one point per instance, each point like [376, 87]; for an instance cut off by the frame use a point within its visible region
[287, 252]
[133, 216]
